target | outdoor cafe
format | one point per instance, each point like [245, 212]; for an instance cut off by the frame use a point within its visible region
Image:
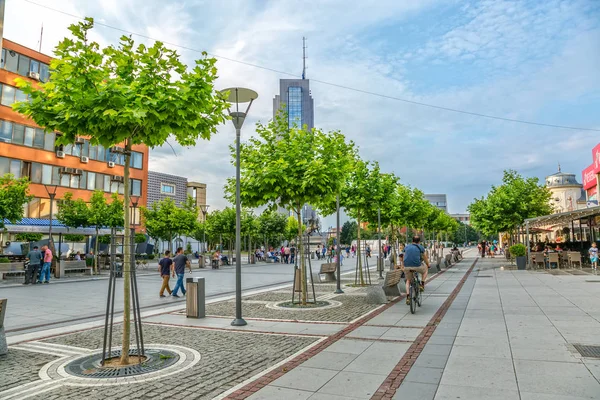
[561, 240]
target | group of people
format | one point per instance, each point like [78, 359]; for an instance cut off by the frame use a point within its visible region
[489, 249]
[39, 265]
[170, 267]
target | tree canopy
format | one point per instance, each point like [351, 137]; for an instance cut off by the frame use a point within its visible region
[508, 205]
[164, 220]
[14, 194]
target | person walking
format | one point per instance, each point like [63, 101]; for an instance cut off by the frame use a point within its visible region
[35, 258]
[180, 262]
[483, 249]
[594, 256]
[164, 267]
[287, 253]
[45, 274]
[324, 252]
[347, 251]
[292, 253]
[353, 251]
[368, 251]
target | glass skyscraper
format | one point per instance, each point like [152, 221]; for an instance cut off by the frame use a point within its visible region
[295, 98]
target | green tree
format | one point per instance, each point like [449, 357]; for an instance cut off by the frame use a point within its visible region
[28, 237]
[73, 213]
[14, 194]
[348, 233]
[124, 94]
[290, 167]
[465, 233]
[164, 220]
[103, 214]
[272, 227]
[507, 206]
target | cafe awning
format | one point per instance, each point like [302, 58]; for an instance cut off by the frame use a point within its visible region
[562, 218]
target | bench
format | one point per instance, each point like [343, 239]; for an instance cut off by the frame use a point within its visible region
[327, 269]
[390, 283]
[12, 268]
[3, 346]
[67, 266]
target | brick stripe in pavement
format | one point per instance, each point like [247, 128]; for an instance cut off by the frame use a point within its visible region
[268, 378]
[388, 388]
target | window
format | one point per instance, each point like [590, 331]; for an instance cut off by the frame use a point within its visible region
[83, 180]
[55, 176]
[76, 150]
[36, 173]
[15, 168]
[136, 187]
[106, 183]
[34, 66]
[68, 149]
[23, 65]
[8, 95]
[5, 131]
[38, 140]
[49, 141]
[44, 73]
[45, 208]
[295, 106]
[85, 148]
[91, 180]
[34, 208]
[29, 134]
[20, 95]
[136, 160]
[75, 181]
[65, 180]
[93, 152]
[47, 174]
[114, 186]
[18, 133]
[167, 189]
[11, 61]
[3, 58]
[4, 165]
[100, 182]
[101, 153]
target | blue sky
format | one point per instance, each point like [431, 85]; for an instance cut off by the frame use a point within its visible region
[532, 60]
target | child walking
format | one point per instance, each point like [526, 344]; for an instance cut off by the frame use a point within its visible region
[594, 256]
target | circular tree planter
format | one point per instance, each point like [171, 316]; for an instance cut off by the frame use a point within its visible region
[158, 362]
[289, 306]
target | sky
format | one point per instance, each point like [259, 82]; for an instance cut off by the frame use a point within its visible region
[528, 60]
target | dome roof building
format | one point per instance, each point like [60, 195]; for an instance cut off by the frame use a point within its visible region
[567, 193]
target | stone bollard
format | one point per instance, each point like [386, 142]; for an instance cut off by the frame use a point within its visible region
[375, 295]
[3, 345]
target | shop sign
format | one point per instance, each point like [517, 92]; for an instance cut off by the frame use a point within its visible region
[589, 175]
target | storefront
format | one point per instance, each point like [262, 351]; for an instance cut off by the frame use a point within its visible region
[591, 177]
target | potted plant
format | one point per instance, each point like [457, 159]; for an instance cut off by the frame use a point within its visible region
[519, 251]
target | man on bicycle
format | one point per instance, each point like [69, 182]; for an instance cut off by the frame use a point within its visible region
[414, 256]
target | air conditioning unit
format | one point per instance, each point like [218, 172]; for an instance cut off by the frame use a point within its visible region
[33, 75]
[111, 164]
[84, 159]
[117, 150]
[66, 171]
[79, 140]
[77, 171]
[60, 154]
[117, 178]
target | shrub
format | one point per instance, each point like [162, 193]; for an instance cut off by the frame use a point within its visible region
[28, 237]
[104, 239]
[140, 238]
[4, 260]
[73, 237]
[518, 250]
[151, 256]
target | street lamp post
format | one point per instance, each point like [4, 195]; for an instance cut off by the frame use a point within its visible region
[204, 209]
[51, 190]
[339, 249]
[379, 259]
[237, 96]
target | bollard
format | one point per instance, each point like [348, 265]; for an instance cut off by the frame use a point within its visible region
[3, 345]
[195, 302]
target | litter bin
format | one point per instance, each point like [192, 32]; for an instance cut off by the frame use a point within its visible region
[195, 302]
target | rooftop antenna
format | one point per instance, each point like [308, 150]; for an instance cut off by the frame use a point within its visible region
[41, 35]
[559, 167]
[303, 57]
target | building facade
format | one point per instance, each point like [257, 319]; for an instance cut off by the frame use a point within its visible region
[567, 193]
[165, 186]
[591, 178]
[295, 98]
[462, 218]
[438, 200]
[197, 191]
[26, 151]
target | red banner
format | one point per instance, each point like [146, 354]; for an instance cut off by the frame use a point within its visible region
[596, 158]
[589, 175]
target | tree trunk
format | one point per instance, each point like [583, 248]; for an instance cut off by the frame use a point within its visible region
[96, 251]
[302, 263]
[360, 271]
[126, 261]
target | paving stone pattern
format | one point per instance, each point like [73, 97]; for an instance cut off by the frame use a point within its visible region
[227, 360]
[18, 367]
[352, 307]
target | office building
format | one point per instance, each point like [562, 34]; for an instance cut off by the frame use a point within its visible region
[295, 98]
[162, 186]
[197, 191]
[438, 200]
[26, 151]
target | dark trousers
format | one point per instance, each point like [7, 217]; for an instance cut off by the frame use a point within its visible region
[31, 273]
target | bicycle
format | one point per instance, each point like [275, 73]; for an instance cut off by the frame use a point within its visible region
[414, 293]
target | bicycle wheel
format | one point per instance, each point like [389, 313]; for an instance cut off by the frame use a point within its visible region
[411, 296]
[419, 294]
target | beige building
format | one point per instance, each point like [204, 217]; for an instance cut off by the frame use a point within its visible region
[567, 193]
[198, 192]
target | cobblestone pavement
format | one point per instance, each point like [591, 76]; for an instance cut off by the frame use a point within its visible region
[227, 360]
[19, 367]
[352, 307]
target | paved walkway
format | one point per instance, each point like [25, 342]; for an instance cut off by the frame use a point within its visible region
[482, 333]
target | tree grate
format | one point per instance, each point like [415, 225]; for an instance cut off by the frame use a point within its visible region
[588, 351]
[90, 366]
